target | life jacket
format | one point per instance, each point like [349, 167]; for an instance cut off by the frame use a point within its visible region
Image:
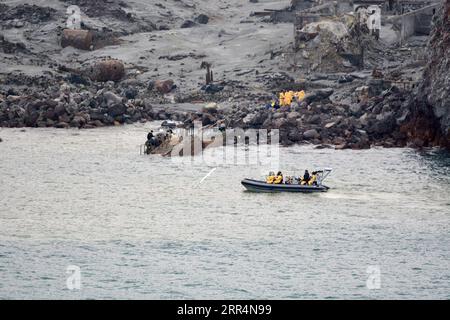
[312, 179]
[278, 180]
[300, 95]
[282, 99]
[288, 98]
[270, 179]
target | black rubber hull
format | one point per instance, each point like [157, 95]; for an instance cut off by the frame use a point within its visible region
[261, 186]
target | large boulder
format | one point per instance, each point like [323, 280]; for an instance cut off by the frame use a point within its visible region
[318, 95]
[111, 99]
[117, 110]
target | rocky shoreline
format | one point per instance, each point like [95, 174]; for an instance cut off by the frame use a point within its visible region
[317, 120]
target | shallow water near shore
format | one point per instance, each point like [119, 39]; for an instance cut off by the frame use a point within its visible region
[145, 227]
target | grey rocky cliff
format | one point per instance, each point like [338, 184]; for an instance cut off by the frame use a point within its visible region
[430, 124]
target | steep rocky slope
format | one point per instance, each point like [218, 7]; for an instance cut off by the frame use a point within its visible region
[430, 121]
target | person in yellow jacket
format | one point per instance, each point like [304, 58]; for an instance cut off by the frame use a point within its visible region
[306, 178]
[313, 179]
[271, 178]
[279, 178]
[300, 95]
[288, 96]
[282, 97]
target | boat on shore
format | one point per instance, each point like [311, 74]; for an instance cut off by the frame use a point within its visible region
[263, 186]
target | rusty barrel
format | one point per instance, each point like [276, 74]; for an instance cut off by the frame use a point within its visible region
[80, 39]
[107, 70]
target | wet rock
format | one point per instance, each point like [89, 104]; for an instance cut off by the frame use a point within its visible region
[341, 146]
[31, 119]
[311, 134]
[323, 146]
[62, 125]
[78, 122]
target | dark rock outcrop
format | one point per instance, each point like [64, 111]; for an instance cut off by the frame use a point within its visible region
[429, 120]
[202, 19]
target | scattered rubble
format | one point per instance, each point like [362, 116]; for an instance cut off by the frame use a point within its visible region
[25, 13]
[11, 47]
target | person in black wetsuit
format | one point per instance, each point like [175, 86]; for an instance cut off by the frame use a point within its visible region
[306, 177]
[150, 135]
[151, 141]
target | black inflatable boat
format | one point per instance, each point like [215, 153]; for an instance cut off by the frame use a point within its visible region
[262, 186]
